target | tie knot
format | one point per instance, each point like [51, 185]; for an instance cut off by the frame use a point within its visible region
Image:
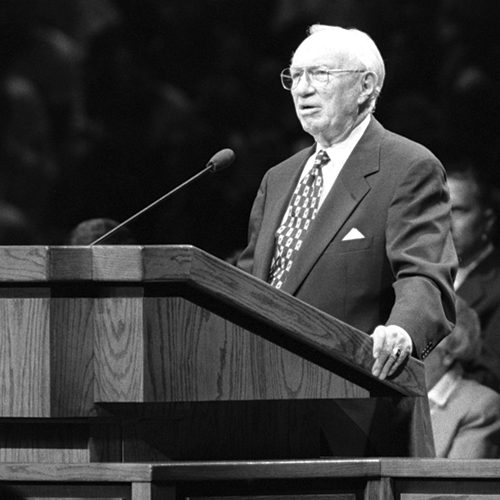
[321, 159]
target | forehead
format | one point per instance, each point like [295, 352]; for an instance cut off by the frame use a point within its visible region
[463, 190]
[320, 49]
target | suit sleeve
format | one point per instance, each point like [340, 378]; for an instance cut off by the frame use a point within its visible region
[246, 259]
[422, 255]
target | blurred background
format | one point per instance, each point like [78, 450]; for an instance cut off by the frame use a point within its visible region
[107, 105]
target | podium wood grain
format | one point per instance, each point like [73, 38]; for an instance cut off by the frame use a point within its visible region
[173, 344]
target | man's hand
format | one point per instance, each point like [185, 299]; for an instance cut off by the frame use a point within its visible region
[391, 346]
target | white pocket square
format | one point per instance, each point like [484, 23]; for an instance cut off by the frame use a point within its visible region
[353, 234]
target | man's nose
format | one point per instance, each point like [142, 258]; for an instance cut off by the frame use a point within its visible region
[303, 84]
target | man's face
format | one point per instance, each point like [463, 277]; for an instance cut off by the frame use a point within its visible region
[326, 111]
[470, 222]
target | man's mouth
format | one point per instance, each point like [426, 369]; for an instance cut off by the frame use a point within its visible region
[307, 108]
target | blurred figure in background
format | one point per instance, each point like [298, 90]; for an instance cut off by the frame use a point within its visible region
[46, 139]
[15, 227]
[478, 276]
[89, 230]
[465, 415]
[27, 168]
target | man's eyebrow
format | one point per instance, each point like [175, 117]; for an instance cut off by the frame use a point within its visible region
[310, 67]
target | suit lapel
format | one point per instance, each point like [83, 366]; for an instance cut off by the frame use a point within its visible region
[346, 194]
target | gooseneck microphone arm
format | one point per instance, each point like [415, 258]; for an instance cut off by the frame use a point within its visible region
[218, 162]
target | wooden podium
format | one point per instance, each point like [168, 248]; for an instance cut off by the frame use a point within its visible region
[154, 353]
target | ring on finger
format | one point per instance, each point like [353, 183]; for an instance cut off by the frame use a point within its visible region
[396, 352]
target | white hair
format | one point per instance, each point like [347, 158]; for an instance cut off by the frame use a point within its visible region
[357, 45]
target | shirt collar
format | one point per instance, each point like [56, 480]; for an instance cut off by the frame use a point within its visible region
[344, 148]
[440, 394]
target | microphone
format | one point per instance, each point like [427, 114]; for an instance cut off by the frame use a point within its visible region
[219, 161]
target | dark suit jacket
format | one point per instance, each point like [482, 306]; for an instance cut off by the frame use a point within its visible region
[394, 192]
[481, 291]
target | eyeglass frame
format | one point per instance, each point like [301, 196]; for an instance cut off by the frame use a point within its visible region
[307, 70]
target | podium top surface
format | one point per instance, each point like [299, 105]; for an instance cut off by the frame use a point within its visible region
[264, 310]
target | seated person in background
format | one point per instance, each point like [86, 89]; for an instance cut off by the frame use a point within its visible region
[89, 230]
[478, 276]
[465, 415]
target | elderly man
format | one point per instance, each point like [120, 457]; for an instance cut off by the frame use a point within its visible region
[357, 225]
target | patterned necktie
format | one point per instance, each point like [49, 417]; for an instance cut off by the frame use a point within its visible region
[301, 211]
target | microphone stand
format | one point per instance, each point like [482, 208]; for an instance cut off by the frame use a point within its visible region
[208, 168]
[219, 161]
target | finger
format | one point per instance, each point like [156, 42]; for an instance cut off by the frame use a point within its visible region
[380, 363]
[402, 355]
[392, 363]
[380, 354]
[378, 337]
[376, 368]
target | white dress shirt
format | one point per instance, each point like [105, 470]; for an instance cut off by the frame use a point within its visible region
[442, 390]
[338, 154]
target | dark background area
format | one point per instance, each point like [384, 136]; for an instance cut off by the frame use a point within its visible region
[107, 105]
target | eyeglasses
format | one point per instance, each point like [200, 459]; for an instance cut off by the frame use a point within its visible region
[317, 75]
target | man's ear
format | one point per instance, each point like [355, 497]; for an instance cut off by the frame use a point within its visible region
[490, 217]
[368, 87]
